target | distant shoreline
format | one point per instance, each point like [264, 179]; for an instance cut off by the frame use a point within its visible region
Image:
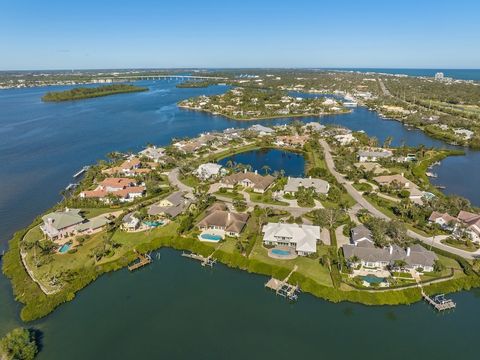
[268, 117]
[80, 93]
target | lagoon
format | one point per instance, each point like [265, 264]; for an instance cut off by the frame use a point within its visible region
[293, 164]
[175, 308]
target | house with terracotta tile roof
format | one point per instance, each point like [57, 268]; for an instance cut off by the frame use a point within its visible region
[123, 188]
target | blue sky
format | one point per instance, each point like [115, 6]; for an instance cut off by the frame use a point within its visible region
[51, 34]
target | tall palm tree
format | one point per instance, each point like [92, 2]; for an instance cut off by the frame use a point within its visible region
[266, 168]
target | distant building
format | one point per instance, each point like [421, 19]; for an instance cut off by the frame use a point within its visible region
[439, 76]
[172, 205]
[373, 155]
[261, 130]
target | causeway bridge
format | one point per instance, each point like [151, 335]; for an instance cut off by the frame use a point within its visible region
[162, 77]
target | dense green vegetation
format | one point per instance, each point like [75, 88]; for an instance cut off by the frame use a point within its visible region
[18, 344]
[86, 93]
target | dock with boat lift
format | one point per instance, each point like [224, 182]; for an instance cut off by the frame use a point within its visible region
[205, 261]
[439, 302]
[283, 288]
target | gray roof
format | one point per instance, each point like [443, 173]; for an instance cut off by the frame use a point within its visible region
[93, 224]
[179, 204]
[320, 186]
[376, 154]
[63, 219]
[419, 256]
[360, 232]
[261, 128]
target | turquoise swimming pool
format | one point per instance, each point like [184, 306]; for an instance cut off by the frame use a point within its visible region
[371, 279]
[153, 223]
[64, 248]
[280, 252]
[211, 237]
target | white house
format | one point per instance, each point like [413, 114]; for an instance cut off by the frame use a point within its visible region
[373, 155]
[344, 139]
[209, 170]
[303, 238]
[318, 185]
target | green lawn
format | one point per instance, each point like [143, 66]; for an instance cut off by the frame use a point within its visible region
[230, 194]
[265, 198]
[309, 267]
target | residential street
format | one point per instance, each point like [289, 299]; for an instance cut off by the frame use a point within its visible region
[429, 241]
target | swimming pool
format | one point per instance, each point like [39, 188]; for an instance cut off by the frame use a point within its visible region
[372, 279]
[153, 223]
[280, 252]
[211, 237]
[64, 248]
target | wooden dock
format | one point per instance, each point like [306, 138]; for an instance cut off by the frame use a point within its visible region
[439, 302]
[283, 288]
[141, 261]
[205, 261]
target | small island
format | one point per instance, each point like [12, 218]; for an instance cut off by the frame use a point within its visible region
[86, 93]
[257, 104]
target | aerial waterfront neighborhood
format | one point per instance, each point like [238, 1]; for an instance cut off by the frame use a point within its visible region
[362, 215]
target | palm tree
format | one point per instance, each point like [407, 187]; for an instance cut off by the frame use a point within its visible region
[266, 168]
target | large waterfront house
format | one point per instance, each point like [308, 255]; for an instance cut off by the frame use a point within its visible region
[70, 222]
[248, 179]
[171, 206]
[360, 233]
[303, 238]
[345, 139]
[60, 224]
[318, 185]
[292, 140]
[367, 255]
[373, 155]
[124, 189]
[218, 217]
[209, 170]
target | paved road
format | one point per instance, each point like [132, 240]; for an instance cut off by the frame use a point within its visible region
[377, 213]
[385, 91]
[173, 178]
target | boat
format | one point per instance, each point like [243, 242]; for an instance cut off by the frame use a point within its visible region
[81, 171]
[431, 175]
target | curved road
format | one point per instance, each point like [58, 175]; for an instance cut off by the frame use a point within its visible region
[430, 241]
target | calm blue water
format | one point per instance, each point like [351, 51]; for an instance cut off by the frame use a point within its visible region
[293, 164]
[461, 74]
[42, 145]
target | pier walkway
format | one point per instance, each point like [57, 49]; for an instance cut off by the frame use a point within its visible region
[283, 288]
